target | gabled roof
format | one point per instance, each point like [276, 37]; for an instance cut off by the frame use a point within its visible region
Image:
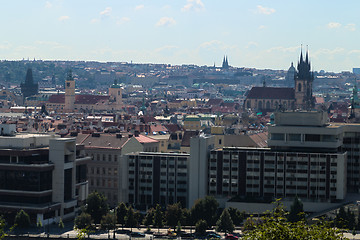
[104, 141]
[271, 93]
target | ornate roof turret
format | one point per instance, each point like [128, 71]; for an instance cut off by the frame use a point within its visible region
[115, 85]
[69, 76]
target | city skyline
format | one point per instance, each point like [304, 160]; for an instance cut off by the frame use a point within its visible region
[259, 34]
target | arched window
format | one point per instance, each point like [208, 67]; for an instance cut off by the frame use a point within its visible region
[268, 105]
[260, 105]
[248, 104]
[299, 87]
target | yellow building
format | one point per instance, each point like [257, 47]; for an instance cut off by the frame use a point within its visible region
[192, 123]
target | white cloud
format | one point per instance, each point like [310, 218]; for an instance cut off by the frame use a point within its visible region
[217, 45]
[196, 5]
[48, 4]
[64, 18]
[265, 10]
[123, 20]
[5, 45]
[166, 48]
[351, 27]
[166, 21]
[94, 20]
[138, 7]
[106, 12]
[333, 25]
[262, 26]
[283, 49]
[252, 45]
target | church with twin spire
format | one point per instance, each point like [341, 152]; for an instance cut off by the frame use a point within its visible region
[263, 99]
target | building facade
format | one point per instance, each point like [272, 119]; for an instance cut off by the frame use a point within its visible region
[43, 175]
[157, 178]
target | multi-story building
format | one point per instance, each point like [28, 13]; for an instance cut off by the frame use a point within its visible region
[107, 170]
[305, 158]
[157, 178]
[41, 174]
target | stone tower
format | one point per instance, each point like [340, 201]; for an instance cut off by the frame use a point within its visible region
[115, 93]
[303, 84]
[29, 88]
[69, 92]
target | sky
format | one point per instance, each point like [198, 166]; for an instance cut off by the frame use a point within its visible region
[256, 34]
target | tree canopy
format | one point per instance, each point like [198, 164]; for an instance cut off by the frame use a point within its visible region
[97, 206]
[121, 212]
[22, 219]
[296, 211]
[275, 226]
[225, 224]
[205, 209]
[174, 215]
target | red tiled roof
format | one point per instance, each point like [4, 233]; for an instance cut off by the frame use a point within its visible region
[271, 93]
[79, 99]
[157, 128]
[144, 139]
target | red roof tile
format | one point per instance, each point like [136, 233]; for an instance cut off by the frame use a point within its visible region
[144, 139]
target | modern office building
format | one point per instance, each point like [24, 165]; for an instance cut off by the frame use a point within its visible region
[41, 174]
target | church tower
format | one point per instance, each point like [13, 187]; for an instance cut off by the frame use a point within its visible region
[303, 84]
[29, 88]
[115, 93]
[69, 92]
[225, 64]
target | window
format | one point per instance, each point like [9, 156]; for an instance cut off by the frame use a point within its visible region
[109, 158]
[115, 158]
[277, 136]
[294, 137]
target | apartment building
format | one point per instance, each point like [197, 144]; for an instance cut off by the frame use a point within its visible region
[305, 158]
[107, 170]
[157, 178]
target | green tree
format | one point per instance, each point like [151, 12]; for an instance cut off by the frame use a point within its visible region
[131, 220]
[225, 224]
[61, 224]
[108, 221]
[205, 209]
[200, 227]
[274, 225]
[174, 214]
[121, 212]
[2, 228]
[148, 219]
[158, 218]
[236, 216]
[341, 220]
[296, 211]
[22, 219]
[39, 224]
[83, 221]
[97, 206]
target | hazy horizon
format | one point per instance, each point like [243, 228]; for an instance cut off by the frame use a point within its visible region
[253, 34]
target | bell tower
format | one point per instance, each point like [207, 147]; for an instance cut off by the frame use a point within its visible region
[69, 92]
